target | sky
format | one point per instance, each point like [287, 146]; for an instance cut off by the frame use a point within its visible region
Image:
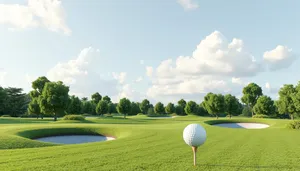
[159, 50]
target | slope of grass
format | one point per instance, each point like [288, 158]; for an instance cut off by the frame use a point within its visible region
[148, 144]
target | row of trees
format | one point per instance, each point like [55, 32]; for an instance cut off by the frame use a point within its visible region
[52, 98]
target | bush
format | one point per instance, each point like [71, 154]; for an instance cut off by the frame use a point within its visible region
[260, 116]
[74, 117]
[140, 114]
[294, 125]
[5, 116]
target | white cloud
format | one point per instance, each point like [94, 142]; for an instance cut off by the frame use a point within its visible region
[188, 4]
[279, 58]
[37, 13]
[149, 71]
[127, 91]
[80, 74]
[139, 79]
[215, 66]
[142, 62]
[268, 86]
[120, 76]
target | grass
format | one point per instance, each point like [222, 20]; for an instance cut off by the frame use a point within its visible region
[148, 144]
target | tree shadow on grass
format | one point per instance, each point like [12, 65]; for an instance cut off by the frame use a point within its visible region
[257, 167]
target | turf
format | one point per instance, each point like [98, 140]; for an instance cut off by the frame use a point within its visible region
[148, 144]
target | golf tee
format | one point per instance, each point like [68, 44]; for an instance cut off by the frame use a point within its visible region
[194, 151]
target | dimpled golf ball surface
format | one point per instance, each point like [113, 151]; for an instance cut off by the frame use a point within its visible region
[194, 135]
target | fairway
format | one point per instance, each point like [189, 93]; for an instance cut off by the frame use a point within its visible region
[148, 144]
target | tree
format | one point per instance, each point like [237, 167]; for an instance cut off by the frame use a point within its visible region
[16, 102]
[201, 111]
[144, 106]
[296, 100]
[111, 108]
[247, 111]
[182, 103]
[179, 110]
[75, 105]
[264, 105]
[214, 104]
[250, 95]
[285, 103]
[84, 99]
[135, 109]
[231, 105]
[54, 98]
[34, 108]
[39, 84]
[102, 107]
[87, 107]
[159, 108]
[3, 99]
[191, 108]
[107, 99]
[150, 111]
[124, 106]
[96, 97]
[170, 108]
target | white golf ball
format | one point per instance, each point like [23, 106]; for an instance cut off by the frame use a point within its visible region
[194, 135]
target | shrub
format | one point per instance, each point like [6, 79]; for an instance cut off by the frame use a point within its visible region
[140, 114]
[260, 116]
[294, 125]
[5, 116]
[74, 117]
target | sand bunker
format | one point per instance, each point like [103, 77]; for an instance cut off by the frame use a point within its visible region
[243, 125]
[74, 139]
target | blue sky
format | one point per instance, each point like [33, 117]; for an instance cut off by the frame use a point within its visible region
[132, 35]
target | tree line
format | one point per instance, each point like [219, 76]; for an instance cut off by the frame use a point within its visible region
[52, 99]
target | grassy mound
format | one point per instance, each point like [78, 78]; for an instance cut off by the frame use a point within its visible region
[149, 144]
[294, 125]
[74, 117]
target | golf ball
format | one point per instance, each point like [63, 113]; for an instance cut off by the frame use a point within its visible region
[194, 135]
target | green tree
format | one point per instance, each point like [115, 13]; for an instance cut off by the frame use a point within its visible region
[144, 106]
[124, 106]
[214, 104]
[191, 108]
[135, 109]
[159, 108]
[170, 108]
[247, 111]
[150, 111]
[179, 110]
[75, 105]
[182, 103]
[250, 95]
[102, 107]
[201, 111]
[39, 84]
[34, 108]
[285, 103]
[84, 99]
[87, 107]
[16, 102]
[107, 99]
[231, 105]
[96, 97]
[111, 108]
[264, 105]
[3, 98]
[54, 98]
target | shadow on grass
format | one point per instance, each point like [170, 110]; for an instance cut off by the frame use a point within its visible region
[249, 166]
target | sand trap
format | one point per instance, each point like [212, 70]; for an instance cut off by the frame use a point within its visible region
[243, 125]
[163, 117]
[74, 139]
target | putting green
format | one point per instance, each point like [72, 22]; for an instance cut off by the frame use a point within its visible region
[148, 144]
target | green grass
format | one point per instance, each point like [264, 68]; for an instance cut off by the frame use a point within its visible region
[148, 144]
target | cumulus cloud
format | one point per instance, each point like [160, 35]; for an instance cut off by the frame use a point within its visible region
[216, 65]
[49, 14]
[188, 4]
[80, 74]
[139, 79]
[127, 91]
[279, 58]
[149, 71]
[271, 90]
[120, 76]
